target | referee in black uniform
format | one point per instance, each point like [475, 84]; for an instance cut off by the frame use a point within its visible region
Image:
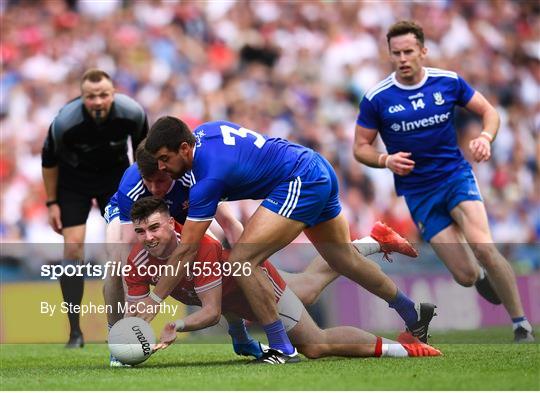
[84, 157]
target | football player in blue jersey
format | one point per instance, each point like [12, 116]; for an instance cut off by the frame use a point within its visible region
[413, 110]
[299, 190]
[140, 180]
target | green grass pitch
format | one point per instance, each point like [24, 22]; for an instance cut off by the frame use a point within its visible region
[191, 366]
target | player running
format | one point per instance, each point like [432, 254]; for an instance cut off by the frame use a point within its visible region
[413, 109]
[215, 290]
[300, 192]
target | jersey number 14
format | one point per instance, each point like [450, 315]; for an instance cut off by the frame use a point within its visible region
[419, 103]
[230, 140]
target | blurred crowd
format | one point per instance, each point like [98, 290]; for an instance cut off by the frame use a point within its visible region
[294, 69]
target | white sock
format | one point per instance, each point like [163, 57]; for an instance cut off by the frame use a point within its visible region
[395, 350]
[482, 274]
[524, 324]
[367, 246]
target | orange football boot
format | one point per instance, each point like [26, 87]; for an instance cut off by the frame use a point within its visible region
[391, 241]
[415, 347]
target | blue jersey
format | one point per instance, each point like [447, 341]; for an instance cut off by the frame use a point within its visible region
[234, 163]
[132, 188]
[419, 119]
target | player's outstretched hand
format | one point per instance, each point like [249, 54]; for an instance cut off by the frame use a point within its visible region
[147, 309]
[54, 218]
[168, 336]
[400, 163]
[480, 149]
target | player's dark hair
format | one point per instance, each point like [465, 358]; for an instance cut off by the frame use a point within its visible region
[404, 27]
[145, 207]
[94, 75]
[148, 165]
[169, 132]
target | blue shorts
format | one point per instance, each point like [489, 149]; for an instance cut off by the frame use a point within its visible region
[111, 212]
[311, 195]
[431, 210]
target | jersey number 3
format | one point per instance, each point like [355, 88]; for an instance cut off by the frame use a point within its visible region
[230, 140]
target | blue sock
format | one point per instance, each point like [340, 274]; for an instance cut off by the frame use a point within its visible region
[239, 333]
[523, 322]
[277, 337]
[405, 308]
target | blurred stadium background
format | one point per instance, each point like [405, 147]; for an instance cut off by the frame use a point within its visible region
[294, 69]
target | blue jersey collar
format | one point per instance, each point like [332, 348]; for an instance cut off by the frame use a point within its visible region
[410, 87]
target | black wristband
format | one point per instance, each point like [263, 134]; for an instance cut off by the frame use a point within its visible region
[50, 203]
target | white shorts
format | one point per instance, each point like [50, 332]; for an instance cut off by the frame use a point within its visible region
[290, 309]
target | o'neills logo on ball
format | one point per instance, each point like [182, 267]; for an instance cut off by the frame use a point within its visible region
[142, 339]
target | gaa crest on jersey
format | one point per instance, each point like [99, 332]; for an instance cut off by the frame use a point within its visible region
[185, 205]
[396, 108]
[439, 100]
[198, 135]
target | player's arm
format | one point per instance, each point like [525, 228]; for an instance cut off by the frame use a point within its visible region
[207, 316]
[119, 250]
[127, 233]
[227, 221]
[480, 147]
[49, 171]
[363, 148]
[128, 237]
[365, 152]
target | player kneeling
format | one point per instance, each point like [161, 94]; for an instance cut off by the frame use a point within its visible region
[217, 293]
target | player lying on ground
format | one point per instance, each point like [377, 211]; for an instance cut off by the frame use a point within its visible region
[217, 292]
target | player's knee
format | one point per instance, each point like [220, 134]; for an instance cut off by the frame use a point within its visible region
[310, 297]
[74, 251]
[466, 277]
[312, 351]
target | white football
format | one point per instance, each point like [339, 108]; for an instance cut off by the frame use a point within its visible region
[131, 340]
